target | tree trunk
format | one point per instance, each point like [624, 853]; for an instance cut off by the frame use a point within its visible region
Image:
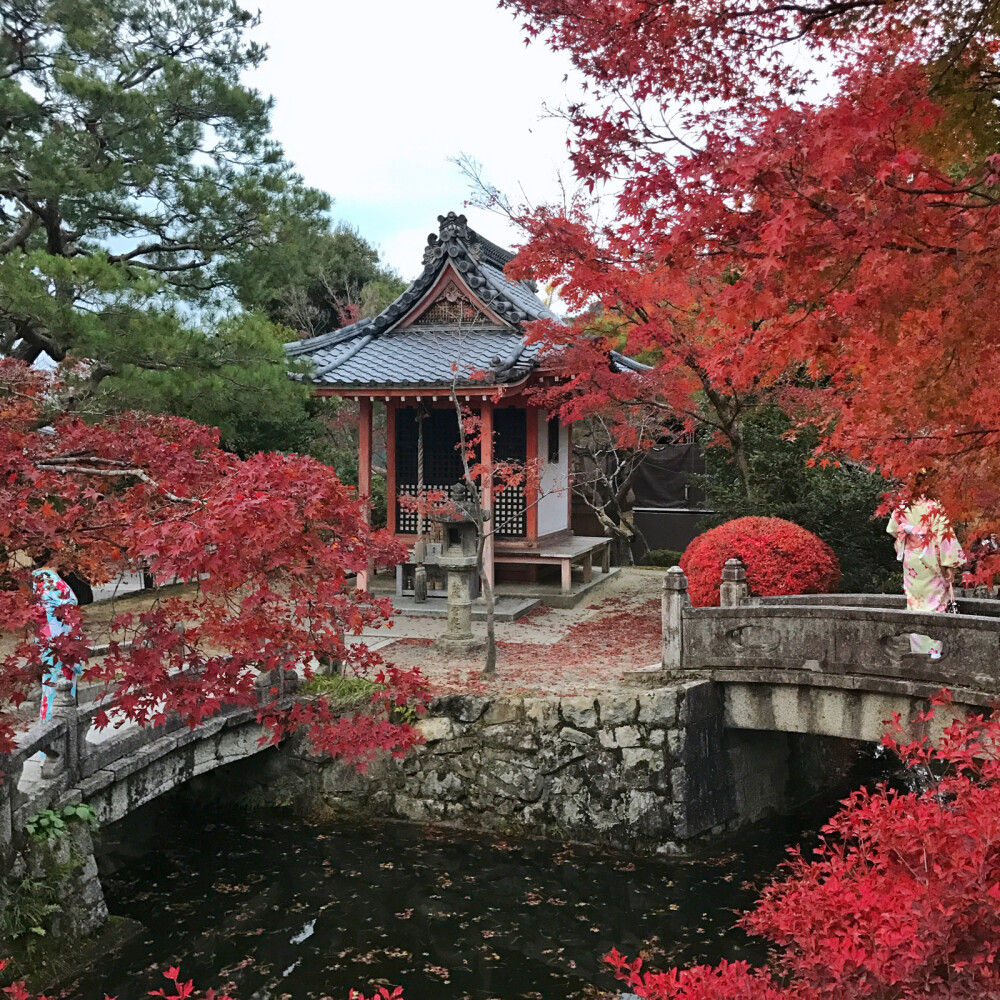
[622, 532]
[490, 666]
[744, 467]
[475, 491]
[621, 551]
[27, 351]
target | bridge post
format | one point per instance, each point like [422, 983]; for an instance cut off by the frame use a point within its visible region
[675, 600]
[64, 707]
[734, 588]
[6, 813]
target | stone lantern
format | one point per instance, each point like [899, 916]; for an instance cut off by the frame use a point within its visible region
[459, 558]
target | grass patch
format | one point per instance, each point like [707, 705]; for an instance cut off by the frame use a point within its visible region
[338, 689]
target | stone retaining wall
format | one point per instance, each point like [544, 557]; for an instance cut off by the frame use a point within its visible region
[647, 769]
[573, 766]
[67, 862]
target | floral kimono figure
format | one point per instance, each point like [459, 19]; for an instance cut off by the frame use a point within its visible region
[52, 593]
[929, 551]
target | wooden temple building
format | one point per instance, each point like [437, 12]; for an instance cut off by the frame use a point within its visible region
[458, 329]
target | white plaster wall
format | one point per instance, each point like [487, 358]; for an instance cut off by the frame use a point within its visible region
[553, 507]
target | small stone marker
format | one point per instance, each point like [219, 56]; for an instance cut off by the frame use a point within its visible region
[734, 588]
[675, 600]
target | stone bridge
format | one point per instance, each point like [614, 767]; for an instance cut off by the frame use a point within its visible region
[758, 706]
[752, 706]
[116, 770]
[829, 664]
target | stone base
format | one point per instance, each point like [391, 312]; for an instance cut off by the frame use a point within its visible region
[649, 677]
[458, 647]
[554, 597]
[507, 609]
[46, 962]
[523, 593]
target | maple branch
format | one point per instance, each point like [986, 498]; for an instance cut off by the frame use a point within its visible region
[55, 465]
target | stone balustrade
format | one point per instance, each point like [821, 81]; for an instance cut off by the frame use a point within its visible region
[826, 664]
[129, 766]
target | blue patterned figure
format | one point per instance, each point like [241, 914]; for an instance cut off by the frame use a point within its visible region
[52, 593]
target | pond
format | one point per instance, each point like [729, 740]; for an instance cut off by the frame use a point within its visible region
[271, 908]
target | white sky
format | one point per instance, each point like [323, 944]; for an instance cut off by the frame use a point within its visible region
[373, 98]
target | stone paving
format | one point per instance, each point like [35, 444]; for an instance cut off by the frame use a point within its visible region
[550, 650]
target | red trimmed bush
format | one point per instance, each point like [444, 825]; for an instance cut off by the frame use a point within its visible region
[780, 557]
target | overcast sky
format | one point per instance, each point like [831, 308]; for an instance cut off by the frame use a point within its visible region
[373, 98]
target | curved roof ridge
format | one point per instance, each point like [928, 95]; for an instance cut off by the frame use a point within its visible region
[359, 355]
[622, 363]
[330, 339]
[494, 254]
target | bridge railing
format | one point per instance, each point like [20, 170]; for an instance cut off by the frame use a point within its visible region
[850, 636]
[979, 606]
[71, 757]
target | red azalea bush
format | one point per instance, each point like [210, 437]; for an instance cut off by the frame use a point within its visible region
[780, 558]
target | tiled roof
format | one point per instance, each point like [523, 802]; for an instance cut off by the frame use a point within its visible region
[621, 364]
[377, 352]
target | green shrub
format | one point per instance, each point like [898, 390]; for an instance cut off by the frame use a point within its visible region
[26, 905]
[662, 557]
[48, 824]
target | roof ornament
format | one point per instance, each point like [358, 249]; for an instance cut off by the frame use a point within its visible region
[451, 227]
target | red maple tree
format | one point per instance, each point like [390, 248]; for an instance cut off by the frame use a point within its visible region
[807, 211]
[900, 900]
[272, 540]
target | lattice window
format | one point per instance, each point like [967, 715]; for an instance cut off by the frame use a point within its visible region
[453, 307]
[443, 465]
[510, 513]
[510, 444]
[510, 434]
[406, 517]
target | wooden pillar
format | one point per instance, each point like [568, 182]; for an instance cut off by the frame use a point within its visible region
[365, 473]
[569, 476]
[486, 459]
[534, 468]
[390, 464]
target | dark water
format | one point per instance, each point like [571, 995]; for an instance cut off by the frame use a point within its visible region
[271, 908]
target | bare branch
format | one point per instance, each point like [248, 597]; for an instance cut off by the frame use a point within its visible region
[54, 465]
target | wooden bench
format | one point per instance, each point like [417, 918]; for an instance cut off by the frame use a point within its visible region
[567, 552]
